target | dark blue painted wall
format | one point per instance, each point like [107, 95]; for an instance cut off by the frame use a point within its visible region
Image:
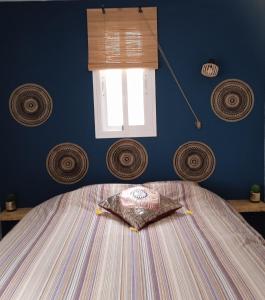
[46, 43]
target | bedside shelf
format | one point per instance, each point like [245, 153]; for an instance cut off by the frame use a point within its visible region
[15, 215]
[247, 206]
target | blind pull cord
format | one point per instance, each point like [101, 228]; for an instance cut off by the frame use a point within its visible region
[198, 123]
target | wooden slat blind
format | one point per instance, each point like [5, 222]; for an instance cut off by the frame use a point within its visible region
[122, 38]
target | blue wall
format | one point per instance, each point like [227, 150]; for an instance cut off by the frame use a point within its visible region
[46, 43]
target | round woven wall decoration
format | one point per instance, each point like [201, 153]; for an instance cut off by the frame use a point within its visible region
[194, 161]
[30, 104]
[127, 159]
[232, 100]
[67, 163]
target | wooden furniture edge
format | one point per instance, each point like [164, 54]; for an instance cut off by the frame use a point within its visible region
[247, 206]
[15, 215]
[238, 205]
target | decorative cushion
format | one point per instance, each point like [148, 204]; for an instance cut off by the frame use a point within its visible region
[139, 206]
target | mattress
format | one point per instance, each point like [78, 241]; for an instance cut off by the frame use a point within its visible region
[63, 250]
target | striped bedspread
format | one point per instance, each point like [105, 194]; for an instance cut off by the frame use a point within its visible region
[63, 250]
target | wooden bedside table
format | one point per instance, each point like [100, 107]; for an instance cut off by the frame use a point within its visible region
[15, 215]
[247, 206]
[10, 218]
[253, 213]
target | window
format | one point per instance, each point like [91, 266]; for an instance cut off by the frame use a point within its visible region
[124, 102]
[122, 54]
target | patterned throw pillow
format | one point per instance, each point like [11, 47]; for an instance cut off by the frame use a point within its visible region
[139, 206]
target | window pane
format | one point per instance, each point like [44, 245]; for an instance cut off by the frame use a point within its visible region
[114, 97]
[135, 93]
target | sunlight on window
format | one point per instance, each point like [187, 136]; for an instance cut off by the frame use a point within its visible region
[135, 92]
[124, 103]
[114, 97]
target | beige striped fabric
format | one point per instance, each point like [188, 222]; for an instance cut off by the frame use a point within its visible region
[63, 250]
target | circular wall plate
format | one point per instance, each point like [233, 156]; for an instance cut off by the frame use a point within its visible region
[232, 100]
[194, 161]
[67, 163]
[30, 104]
[127, 159]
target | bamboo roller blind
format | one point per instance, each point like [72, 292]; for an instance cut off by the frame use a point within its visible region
[122, 38]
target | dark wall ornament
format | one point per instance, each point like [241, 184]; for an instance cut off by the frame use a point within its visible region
[232, 100]
[67, 163]
[30, 105]
[194, 161]
[127, 159]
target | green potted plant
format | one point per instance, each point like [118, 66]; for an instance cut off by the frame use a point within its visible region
[10, 202]
[255, 193]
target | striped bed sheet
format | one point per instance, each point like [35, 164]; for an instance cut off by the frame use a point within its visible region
[63, 250]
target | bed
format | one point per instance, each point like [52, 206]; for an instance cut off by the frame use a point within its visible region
[63, 250]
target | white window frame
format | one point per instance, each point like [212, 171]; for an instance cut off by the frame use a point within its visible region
[149, 129]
